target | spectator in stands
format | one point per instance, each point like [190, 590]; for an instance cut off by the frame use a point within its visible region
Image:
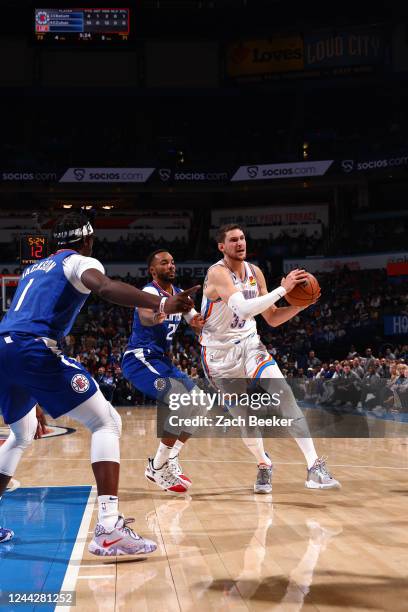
[106, 382]
[369, 359]
[357, 368]
[371, 385]
[312, 360]
[347, 387]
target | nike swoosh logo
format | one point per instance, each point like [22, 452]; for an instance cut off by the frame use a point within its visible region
[106, 544]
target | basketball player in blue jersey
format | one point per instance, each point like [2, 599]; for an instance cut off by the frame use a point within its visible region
[147, 366]
[33, 370]
[234, 293]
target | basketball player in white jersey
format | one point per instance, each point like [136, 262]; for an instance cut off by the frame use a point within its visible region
[234, 293]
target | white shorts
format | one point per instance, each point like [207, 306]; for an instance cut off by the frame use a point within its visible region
[246, 359]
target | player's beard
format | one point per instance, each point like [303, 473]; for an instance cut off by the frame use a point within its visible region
[166, 279]
[234, 256]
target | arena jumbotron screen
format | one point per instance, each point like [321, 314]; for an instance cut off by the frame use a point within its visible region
[84, 25]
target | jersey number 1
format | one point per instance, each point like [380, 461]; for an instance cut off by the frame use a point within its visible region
[22, 296]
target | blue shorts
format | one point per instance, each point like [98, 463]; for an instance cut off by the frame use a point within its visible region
[152, 374]
[32, 373]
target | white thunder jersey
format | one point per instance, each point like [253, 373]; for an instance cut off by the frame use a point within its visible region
[222, 327]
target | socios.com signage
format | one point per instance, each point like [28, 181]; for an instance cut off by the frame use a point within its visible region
[351, 165]
[266, 172]
[106, 175]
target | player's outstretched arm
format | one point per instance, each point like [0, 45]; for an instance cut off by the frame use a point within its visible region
[123, 294]
[220, 279]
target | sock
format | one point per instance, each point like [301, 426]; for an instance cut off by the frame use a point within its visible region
[307, 447]
[108, 512]
[178, 445]
[255, 445]
[162, 455]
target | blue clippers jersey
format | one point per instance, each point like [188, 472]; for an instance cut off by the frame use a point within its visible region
[45, 303]
[157, 338]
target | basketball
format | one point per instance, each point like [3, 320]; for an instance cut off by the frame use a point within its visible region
[305, 293]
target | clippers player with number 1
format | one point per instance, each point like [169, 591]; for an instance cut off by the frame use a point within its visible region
[33, 370]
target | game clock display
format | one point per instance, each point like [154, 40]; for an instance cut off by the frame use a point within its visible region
[81, 24]
[33, 248]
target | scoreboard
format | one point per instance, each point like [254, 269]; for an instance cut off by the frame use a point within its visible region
[81, 24]
[33, 247]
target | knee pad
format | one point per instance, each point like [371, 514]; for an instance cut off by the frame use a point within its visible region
[98, 415]
[22, 433]
[116, 424]
[24, 430]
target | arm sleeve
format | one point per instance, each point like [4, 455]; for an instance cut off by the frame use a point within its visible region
[189, 315]
[254, 306]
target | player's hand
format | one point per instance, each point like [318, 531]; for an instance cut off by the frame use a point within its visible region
[181, 302]
[295, 277]
[158, 318]
[41, 423]
[197, 323]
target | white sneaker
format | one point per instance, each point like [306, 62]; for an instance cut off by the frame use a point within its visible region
[165, 477]
[122, 540]
[319, 477]
[175, 466]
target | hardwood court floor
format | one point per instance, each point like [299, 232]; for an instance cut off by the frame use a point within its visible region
[224, 548]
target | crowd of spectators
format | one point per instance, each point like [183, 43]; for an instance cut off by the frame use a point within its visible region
[135, 247]
[379, 235]
[276, 247]
[378, 384]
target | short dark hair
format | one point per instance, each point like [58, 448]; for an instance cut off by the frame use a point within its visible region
[228, 227]
[68, 230]
[149, 260]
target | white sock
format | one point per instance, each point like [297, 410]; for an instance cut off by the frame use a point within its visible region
[108, 512]
[307, 447]
[255, 445]
[178, 445]
[162, 455]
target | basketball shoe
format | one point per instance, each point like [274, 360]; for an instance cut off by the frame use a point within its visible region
[175, 466]
[5, 534]
[318, 476]
[122, 540]
[165, 477]
[263, 482]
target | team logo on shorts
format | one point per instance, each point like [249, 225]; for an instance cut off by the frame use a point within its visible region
[160, 384]
[80, 383]
[259, 358]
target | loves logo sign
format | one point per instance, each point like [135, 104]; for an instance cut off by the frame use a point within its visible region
[265, 56]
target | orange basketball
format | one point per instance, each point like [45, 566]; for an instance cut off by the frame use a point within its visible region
[305, 293]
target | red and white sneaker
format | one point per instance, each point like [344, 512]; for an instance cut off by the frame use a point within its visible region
[165, 477]
[174, 465]
[122, 540]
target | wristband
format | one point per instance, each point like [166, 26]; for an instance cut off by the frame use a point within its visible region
[161, 305]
